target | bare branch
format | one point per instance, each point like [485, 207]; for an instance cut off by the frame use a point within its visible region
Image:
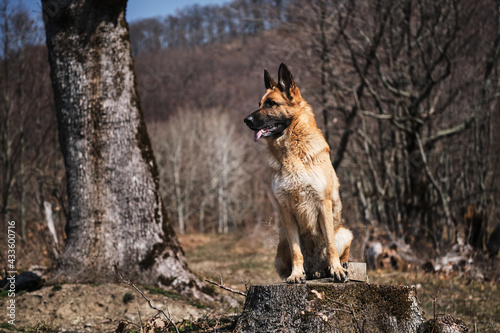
[129, 283]
[451, 131]
[222, 286]
[434, 182]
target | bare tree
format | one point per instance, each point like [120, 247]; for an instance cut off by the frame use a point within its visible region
[147, 35]
[116, 213]
[197, 25]
[205, 170]
[413, 108]
[177, 149]
[21, 63]
[400, 82]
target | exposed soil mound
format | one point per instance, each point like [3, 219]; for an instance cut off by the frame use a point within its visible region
[93, 308]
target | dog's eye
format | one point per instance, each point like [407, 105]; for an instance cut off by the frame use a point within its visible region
[270, 103]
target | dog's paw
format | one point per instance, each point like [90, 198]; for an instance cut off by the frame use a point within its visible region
[339, 272]
[296, 278]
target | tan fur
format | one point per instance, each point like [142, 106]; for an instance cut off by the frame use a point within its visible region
[312, 241]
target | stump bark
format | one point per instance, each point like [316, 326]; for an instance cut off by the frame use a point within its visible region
[330, 307]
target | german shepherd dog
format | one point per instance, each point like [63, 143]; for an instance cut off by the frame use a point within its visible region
[312, 242]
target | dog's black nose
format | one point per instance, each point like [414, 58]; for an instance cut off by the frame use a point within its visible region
[249, 120]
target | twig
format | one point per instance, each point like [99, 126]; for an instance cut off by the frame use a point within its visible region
[160, 311]
[434, 306]
[122, 323]
[140, 318]
[219, 318]
[222, 286]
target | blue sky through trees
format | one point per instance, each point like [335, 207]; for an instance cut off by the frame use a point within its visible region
[136, 9]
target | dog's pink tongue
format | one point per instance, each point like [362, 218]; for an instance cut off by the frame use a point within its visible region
[257, 135]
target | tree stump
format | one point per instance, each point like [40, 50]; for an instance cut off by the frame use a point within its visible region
[330, 307]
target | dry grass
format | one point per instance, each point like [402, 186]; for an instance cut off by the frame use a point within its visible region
[240, 259]
[247, 258]
[475, 302]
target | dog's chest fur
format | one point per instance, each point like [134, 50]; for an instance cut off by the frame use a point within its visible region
[291, 186]
[296, 183]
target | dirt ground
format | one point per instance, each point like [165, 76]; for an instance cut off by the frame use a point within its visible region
[94, 307]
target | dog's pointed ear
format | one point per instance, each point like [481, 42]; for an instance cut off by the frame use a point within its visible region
[268, 80]
[286, 83]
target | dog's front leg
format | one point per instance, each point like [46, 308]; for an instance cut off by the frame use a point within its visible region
[291, 227]
[328, 223]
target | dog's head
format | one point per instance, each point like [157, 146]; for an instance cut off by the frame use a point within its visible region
[277, 106]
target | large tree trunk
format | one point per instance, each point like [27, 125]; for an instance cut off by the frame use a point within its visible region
[115, 211]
